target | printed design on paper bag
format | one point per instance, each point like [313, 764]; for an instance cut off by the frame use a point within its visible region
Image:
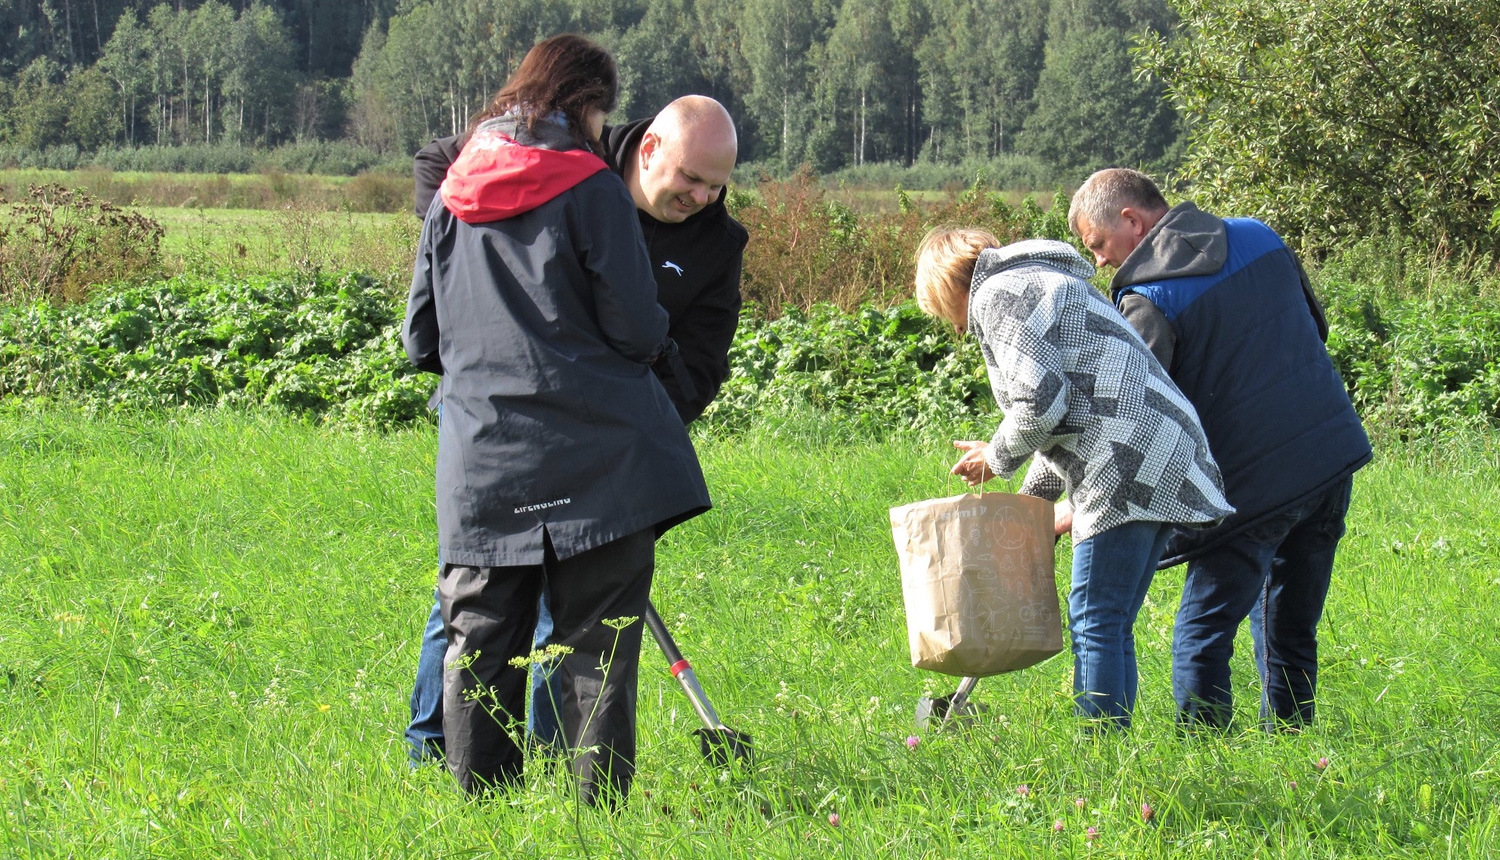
[1010, 532]
[990, 606]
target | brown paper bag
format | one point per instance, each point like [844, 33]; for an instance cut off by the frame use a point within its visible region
[976, 573]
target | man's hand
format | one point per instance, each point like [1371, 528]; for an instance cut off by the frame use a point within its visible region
[971, 466]
[1062, 518]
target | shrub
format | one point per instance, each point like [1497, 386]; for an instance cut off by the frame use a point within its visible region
[806, 250]
[1340, 119]
[328, 158]
[315, 347]
[60, 156]
[879, 370]
[59, 243]
[378, 192]
[325, 157]
[327, 348]
[1418, 343]
[186, 158]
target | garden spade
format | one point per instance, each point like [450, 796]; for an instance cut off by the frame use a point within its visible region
[718, 742]
[956, 708]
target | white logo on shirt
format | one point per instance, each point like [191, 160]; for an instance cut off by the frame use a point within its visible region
[542, 506]
[673, 266]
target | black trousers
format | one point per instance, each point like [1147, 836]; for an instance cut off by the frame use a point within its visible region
[489, 614]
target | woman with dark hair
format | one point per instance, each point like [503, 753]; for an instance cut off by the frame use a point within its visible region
[566, 75]
[560, 457]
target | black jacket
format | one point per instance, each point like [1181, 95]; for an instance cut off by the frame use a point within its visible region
[700, 289]
[542, 323]
[1226, 308]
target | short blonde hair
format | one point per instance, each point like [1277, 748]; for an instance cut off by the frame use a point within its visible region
[945, 268]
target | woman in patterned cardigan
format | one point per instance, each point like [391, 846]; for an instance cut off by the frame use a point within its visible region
[1099, 419]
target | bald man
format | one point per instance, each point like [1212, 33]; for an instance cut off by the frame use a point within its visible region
[676, 166]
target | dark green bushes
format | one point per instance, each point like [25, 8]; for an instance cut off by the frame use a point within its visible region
[326, 347]
[322, 346]
[880, 370]
[1417, 340]
[1418, 343]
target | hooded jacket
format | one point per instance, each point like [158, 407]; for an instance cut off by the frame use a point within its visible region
[1227, 308]
[1082, 393]
[534, 299]
[697, 265]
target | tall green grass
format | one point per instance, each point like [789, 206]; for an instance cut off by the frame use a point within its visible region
[213, 621]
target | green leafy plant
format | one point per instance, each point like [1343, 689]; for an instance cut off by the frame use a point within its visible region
[878, 370]
[316, 346]
[1341, 119]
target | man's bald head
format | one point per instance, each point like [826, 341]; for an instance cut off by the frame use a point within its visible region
[684, 159]
[697, 118]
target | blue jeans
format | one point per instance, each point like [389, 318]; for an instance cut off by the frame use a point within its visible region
[1277, 573]
[424, 735]
[1111, 572]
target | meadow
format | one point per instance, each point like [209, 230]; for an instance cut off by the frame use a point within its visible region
[246, 242]
[216, 612]
[214, 620]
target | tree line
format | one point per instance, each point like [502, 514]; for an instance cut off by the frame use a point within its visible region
[1333, 120]
[829, 83]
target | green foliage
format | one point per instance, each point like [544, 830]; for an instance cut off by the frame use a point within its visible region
[877, 371]
[830, 83]
[93, 116]
[58, 243]
[1341, 119]
[319, 346]
[979, 64]
[38, 110]
[1416, 358]
[1092, 113]
[327, 158]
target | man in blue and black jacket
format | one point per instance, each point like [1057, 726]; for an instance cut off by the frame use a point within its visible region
[1227, 309]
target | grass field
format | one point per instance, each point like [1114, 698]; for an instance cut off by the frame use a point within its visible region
[270, 189]
[266, 241]
[214, 620]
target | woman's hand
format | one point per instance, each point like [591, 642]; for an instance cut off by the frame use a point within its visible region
[1062, 518]
[971, 466]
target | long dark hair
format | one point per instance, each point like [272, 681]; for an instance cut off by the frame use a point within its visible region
[566, 73]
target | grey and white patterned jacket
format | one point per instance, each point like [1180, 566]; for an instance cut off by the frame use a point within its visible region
[1081, 391]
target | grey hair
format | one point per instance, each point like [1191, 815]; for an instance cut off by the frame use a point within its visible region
[1101, 197]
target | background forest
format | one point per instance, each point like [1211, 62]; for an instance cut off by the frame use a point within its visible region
[830, 83]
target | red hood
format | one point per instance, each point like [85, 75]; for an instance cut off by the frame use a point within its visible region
[496, 178]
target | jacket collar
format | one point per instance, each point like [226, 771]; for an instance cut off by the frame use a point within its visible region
[1186, 241]
[1049, 252]
[506, 170]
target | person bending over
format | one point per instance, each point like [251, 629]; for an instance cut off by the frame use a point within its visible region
[1100, 420]
[1228, 310]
